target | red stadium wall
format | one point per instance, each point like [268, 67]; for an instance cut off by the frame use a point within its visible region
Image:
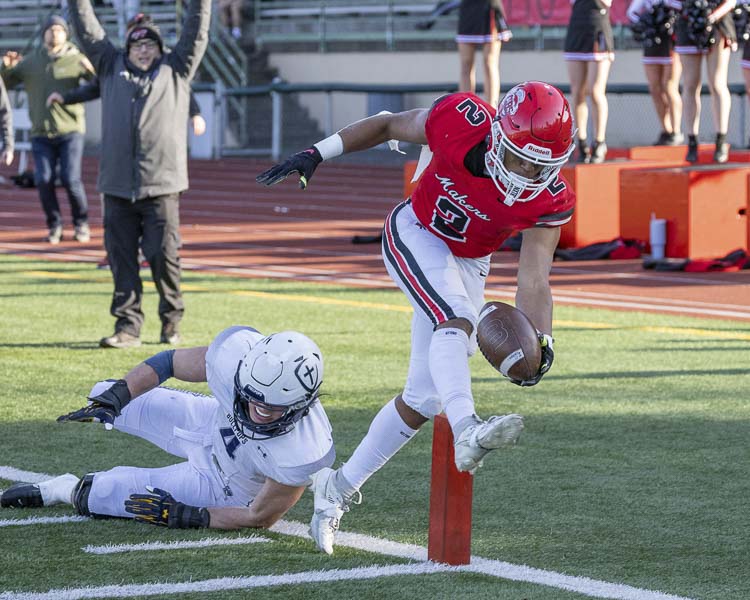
[551, 12]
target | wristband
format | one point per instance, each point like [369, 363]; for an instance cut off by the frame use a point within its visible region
[183, 516]
[330, 147]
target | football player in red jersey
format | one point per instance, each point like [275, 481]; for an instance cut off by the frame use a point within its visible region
[491, 172]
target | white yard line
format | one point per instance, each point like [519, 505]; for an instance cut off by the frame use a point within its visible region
[228, 583]
[495, 568]
[176, 545]
[13, 474]
[41, 520]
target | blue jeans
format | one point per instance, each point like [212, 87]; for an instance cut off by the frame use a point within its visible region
[67, 150]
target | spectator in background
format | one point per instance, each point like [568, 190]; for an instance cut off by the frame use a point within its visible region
[6, 127]
[143, 169]
[481, 23]
[91, 90]
[653, 25]
[706, 29]
[230, 13]
[589, 52]
[56, 131]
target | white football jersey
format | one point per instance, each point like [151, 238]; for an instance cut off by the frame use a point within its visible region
[245, 463]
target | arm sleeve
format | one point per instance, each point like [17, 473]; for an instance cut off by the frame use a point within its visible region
[6, 119]
[192, 44]
[195, 108]
[14, 76]
[83, 93]
[94, 41]
[561, 209]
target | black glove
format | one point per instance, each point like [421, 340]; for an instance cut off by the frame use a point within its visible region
[158, 507]
[304, 163]
[102, 408]
[548, 356]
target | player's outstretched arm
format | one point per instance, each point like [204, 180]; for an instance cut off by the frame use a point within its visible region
[158, 507]
[187, 364]
[406, 126]
[272, 502]
[534, 295]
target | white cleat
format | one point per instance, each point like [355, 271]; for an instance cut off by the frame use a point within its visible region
[477, 440]
[329, 507]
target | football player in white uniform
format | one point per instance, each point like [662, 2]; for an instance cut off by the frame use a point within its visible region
[250, 448]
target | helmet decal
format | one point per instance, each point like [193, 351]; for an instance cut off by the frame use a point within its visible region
[512, 100]
[308, 374]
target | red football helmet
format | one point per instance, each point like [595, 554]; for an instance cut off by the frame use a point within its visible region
[535, 123]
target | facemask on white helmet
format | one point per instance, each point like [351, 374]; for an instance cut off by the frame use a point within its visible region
[281, 375]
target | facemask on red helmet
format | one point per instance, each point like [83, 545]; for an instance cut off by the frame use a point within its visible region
[533, 122]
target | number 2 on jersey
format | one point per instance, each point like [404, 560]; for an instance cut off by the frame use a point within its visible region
[472, 111]
[450, 219]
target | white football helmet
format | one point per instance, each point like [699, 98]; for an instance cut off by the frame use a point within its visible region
[282, 372]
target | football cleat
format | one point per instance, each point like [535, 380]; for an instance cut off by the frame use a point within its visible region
[329, 506]
[477, 440]
[22, 495]
[58, 490]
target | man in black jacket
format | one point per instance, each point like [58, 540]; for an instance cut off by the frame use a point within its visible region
[143, 170]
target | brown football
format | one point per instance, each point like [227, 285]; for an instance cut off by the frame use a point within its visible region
[509, 341]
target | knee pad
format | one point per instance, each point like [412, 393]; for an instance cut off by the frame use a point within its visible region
[81, 495]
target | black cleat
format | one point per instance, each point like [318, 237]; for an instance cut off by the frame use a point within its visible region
[22, 495]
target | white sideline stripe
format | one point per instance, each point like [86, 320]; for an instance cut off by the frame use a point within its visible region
[582, 585]
[176, 545]
[495, 568]
[229, 583]
[357, 541]
[41, 520]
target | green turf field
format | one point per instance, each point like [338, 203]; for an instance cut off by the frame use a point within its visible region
[633, 468]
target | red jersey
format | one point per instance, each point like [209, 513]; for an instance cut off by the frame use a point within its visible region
[467, 210]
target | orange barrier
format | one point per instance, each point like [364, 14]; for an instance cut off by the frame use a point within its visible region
[597, 187]
[449, 538]
[703, 206]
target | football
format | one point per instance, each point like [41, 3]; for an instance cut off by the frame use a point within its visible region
[508, 340]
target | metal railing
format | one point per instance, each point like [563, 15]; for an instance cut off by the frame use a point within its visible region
[276, 89]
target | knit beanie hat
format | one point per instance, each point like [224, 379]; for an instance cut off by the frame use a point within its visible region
[55, 20]
[146, 31]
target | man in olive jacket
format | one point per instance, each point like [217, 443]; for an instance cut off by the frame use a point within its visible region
[56, 131]
[145, 94]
